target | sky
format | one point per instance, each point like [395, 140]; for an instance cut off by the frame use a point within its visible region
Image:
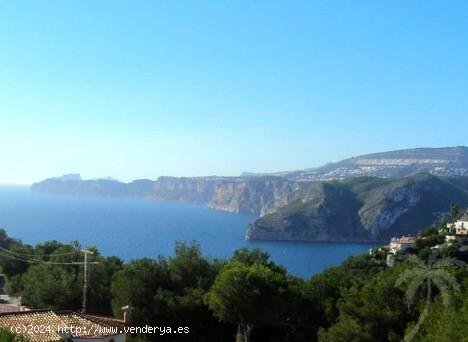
[139, 89]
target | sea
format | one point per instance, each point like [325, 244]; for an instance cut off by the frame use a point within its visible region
[133, 228]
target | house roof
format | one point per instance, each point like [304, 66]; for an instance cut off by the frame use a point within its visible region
[4, 308]
[403, 240]
[49, 326]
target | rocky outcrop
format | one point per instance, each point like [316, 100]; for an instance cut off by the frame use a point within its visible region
[258, 195]
[77, 187]
[184, 189]
[361, 210]
[330, 213]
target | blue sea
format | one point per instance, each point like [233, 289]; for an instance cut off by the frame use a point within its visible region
[131, 228]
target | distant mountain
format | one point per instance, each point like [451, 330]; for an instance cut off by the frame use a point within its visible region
[445, 161]
[69, 177]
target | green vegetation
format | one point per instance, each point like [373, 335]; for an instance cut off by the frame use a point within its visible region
[47, 276]
[423, 297]
[7, 336]
[249, 292]
[363, 209]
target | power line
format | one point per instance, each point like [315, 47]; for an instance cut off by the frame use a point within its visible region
[27, 255]
[86, 263]
[19, 256]
[12, 255]
[36, 261]
[19, 259]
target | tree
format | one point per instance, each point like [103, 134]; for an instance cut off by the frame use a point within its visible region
[10, 264]
[454, 211]
[171, 291]
[325, 289]
[429, 274]
[50, 286]
[447, 324]
[375, 305]
[188, 268]
[347, 329]
[136, 285]
[252, 256]
[100, 280]
[247, 295]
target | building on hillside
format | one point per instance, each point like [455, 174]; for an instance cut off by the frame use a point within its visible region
[458, 231]
[51, 326]
[11, 304]
[4, 308]
[389, 251]
[459, 227]
[400, 244]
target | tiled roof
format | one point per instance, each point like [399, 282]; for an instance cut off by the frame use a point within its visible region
[403, 239]
[40, 319]
[103, 320]
[48, 326]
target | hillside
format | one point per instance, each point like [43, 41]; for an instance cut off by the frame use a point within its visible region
[362, 209]
[446, 161]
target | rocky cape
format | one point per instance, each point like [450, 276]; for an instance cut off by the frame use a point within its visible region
[340, 205]
[363, 209]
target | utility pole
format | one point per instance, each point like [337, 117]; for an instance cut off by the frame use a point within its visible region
[85, 278]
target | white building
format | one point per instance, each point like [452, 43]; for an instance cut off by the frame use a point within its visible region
[459, 227]
[400, 244]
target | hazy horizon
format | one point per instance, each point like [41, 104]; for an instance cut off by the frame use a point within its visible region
[110, 177]
[141, 89]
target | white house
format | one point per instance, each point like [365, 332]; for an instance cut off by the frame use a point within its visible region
[459, 227]
[458, 231]
[400, 244]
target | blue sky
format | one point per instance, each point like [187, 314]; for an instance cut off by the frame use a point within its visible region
[138, 89]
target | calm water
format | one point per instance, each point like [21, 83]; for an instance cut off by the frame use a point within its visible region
[137, 228]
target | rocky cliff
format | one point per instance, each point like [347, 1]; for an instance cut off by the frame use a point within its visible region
[329, 213]
[258, 195]
[326, 204]
[362, 209]
[186, 189]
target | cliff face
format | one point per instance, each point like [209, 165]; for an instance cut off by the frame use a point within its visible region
[364, 210]
[330, 213]
[257, 196]
[184, 189]
[325, 204]
[240, 195]
[357, 209]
